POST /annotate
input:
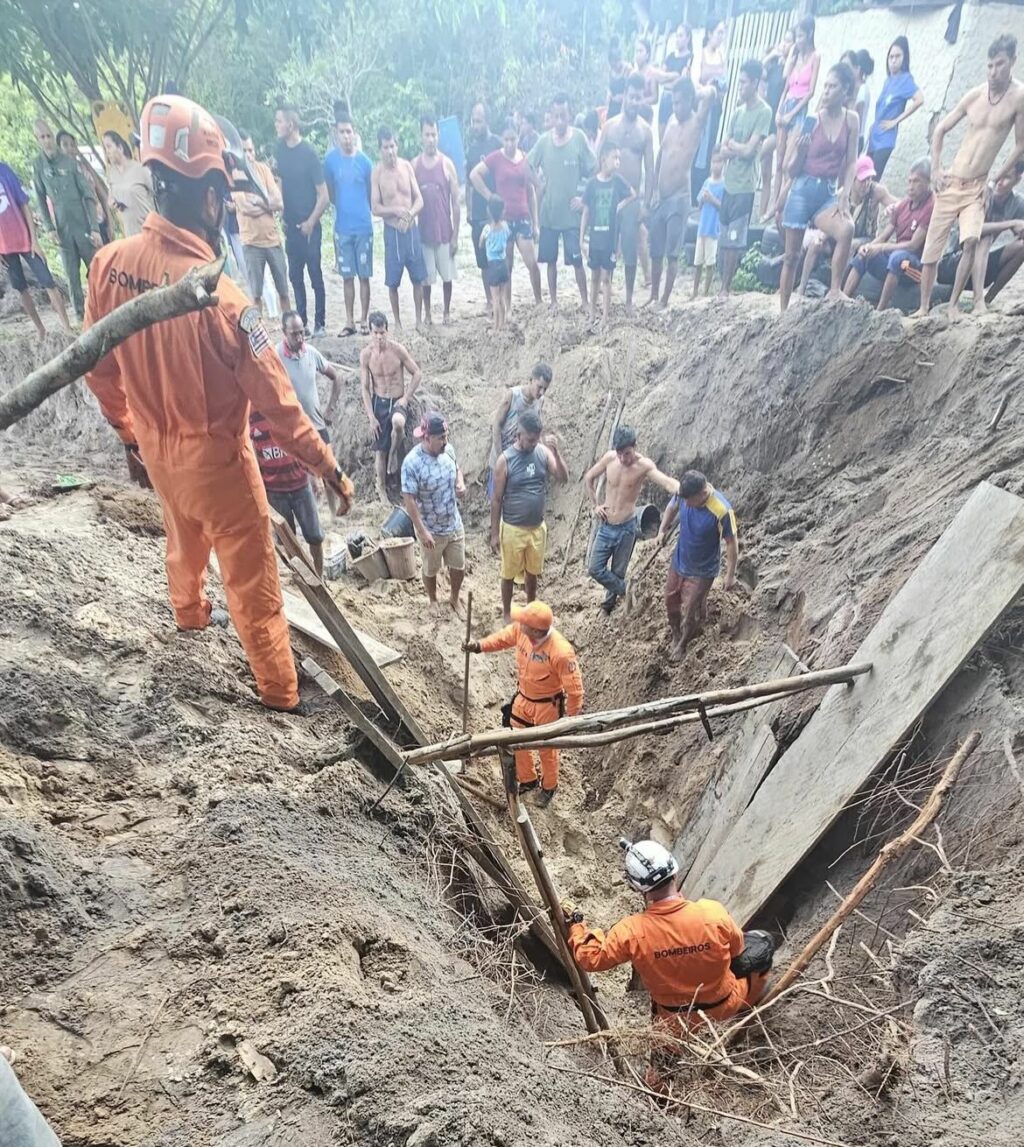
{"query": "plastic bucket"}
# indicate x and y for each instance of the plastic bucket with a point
(372, 565)
(398, 525)
(648, 519)
(400, 556)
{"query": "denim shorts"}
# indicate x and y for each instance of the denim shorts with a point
(808, 195)
(355, 256)
(520, 228)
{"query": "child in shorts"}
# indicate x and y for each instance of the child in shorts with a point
(494, 241)
(709, 227)
(605, 196)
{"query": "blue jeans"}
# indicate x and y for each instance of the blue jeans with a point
(614, 544)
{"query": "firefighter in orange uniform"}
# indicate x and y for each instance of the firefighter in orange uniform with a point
(691, 955)
(550, 686)
(178, 394)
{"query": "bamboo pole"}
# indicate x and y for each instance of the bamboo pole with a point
(465, 674)
(487, 742)
(593, 1017)
(888, 854)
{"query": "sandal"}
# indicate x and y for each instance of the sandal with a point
(347, 332)
(364, 329)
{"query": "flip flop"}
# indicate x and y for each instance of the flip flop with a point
(364, 329)
(347, 332)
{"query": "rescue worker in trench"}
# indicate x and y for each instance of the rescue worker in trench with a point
(549, 686)
(691, 956)
(178, 394)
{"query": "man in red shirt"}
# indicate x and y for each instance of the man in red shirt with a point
(897, 251)
(288, 487)
(20, 249)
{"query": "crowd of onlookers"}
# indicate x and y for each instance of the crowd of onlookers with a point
(651, 177)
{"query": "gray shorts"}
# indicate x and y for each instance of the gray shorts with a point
(257, 259)
(299, 506)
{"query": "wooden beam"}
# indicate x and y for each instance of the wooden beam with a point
(600, 722)
(482, 847)
(327, 609)
(925, 634)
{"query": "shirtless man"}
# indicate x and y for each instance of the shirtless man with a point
(633, 137)
(670, 203)
(395, 197)
(625, 470)
(990, 109)
(388, 376)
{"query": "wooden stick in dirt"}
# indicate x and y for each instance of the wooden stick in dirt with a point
(1000, 411)
(586, 466)
(784, 1132)
(193, 292)
(868, 881)
(586, 1001)
(465, 673)
(477, 743)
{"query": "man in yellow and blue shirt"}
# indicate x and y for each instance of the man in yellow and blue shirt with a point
(706, 518)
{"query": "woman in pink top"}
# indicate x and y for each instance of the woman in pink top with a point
(507, 175)
(801, 80)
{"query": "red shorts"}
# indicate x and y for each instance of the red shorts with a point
(686, 595)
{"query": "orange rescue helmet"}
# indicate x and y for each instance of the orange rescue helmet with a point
(537, 615)
(186, 139)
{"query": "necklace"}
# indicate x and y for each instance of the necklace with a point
(993, 102)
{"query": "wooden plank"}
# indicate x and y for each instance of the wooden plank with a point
(375, 735)
(927, 631)
(301, 617)
(727, 795)
(328, 611)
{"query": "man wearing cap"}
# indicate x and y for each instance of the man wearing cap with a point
(432, 484)
(518, 530)
(549, 686)
(690, 955)
(179, 393)
(705, 518)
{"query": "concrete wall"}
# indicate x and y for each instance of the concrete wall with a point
(944, 72)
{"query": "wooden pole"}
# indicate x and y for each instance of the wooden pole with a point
(600, 722)
(586, 466)
(465, 672)
(870, 878)
(583, 989)
(192, 292)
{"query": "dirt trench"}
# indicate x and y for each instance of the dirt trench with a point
(164, 834)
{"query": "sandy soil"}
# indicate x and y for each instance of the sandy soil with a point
(161, 833)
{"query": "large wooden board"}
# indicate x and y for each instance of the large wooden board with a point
(927, 631)
(301, 617)
(748, 753)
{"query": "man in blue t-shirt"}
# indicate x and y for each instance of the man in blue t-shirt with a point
(347, 173)
(705, 519)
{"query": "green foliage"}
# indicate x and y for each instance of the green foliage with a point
(17, 143)
(746, 274)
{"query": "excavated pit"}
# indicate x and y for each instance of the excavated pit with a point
(184, 873)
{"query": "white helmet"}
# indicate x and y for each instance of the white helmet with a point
(648, 864)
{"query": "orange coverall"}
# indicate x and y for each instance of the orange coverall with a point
(545, 671)
(681, 950)
(181, 391)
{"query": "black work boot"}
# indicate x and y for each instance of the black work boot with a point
(526, 786)
(546, 796)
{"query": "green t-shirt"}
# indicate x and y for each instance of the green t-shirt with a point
(741, 174)
(564, 169)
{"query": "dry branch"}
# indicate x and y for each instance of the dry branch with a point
(194, 292)
(477, 744)
(870, 878)
(671, 1101)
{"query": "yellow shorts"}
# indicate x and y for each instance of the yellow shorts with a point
(962, 202)
(522, 550)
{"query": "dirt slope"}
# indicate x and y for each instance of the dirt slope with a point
(164, 834)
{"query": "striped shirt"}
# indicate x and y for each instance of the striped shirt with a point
(280, 472)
